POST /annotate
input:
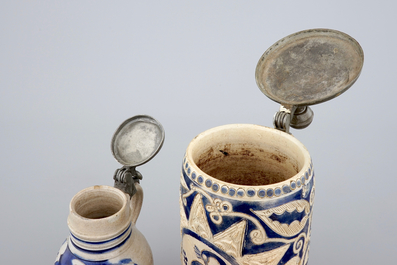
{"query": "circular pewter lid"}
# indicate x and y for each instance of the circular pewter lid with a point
(137, 140)
(309, 67)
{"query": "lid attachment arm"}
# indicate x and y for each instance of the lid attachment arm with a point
(298, 117)
(125, 179)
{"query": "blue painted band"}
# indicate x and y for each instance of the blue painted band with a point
(103, 250)
(102, 242)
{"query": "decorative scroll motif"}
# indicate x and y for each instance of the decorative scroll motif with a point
(218, 208)
(201, 212)
(207, 257)
(283, 229)
(306, 249)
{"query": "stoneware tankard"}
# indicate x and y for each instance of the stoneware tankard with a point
(246, 197)
(247, 191)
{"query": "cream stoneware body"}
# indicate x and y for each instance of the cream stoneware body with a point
(246, 197)
(102, 229)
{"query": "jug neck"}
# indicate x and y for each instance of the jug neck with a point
(99, 220)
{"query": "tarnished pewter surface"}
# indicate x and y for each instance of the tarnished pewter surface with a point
(309, 67)
(137, 140)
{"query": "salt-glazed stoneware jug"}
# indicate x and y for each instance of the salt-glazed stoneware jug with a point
(247, 191)
(102, 218)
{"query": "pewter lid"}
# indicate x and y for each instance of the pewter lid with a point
(309, 67)
(137, 140)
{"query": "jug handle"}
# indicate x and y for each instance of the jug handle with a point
(136, 203)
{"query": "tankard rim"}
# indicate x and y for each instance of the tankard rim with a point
(213, 185)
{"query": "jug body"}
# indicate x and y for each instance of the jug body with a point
(102, 229)
(246, 197)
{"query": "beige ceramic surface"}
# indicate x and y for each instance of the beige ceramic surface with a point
(106, 216)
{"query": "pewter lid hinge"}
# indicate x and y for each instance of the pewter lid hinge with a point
(125, 179)
(298, 117)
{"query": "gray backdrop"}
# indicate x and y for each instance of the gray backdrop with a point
(72, 71)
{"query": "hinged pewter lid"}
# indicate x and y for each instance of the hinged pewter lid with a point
(135, 142)
(307, 68)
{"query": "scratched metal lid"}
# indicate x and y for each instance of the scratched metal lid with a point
(137, 140)
(309, 67)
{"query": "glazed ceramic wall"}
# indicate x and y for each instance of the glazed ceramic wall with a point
(245, 224)
(102, 229)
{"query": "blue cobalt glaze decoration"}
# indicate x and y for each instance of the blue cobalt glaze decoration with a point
(261, 193)
(65, 256)
(232, 192)
(208, 183)
(262, 215)
(250, 192)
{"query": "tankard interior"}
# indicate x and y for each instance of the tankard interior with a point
(246, 154)
(97, 203)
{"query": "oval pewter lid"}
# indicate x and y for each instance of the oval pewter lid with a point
(137, 140)
(307, 68)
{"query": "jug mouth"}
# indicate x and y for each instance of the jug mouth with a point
(247, 155)
(99, 213)
(98, 202)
